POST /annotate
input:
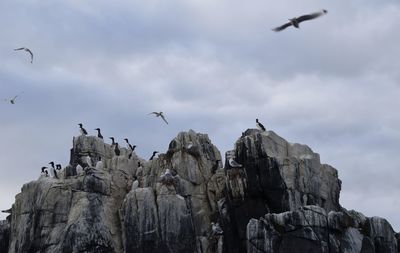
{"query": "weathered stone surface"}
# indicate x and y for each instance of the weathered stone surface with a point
(4, 236)
(311, 229)
(102, 210)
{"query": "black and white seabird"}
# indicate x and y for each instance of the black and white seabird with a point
(216, 229)
(12, 100)
(44, 172)
(132, 149)
(112, 141)
(116, 149)
(53, 172)
(58, 167)
(296, 21)
(128, 144)
(153, 155)
(88, 160)
(160, 114)
(83, 130)
(260, 126)
(79, 169)
(26, 50)
(234, 164)
(135, 184)
(98, 133)
(99, 164)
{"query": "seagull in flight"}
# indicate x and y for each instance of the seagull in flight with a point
(12, 100)
(26, 50)
(296, 21)
(159, 114)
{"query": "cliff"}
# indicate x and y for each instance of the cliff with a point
(282, 199)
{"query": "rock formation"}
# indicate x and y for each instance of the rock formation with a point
(282, 199)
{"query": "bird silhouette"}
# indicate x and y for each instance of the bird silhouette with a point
(160, 114)
(26, 50)
(12, 100)
(296, 21)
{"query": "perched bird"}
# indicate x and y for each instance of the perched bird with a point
(216, 229)
(135, 185)
(83, 130)
(260, 126)
(153, 155)
(133, 149)
(296, 21)
(98, 133)
(58, 167)
(99, 164)
(112, 141)
(167, 177)
(88, 160)
(12, 100)
(116, 149)
(26, 50)
(159, 114)
(79, 169)
(53, 172)
(234, 164)
(44, 172)
(128, 144)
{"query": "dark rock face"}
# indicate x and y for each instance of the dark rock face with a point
(282, 199)
(311, 229)
(4, 236)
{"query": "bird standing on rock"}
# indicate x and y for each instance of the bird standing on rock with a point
(112, 141)
(234, 164)
(260, 126)
(153, 155)
(82, 130)
(53, 171)
(296, 21)
(116, 149)
(98, 133)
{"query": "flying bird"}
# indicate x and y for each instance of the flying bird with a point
(26, 50)
(160, 114)
(296, 21)
(12, 100)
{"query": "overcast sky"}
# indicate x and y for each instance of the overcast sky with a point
(212, 66)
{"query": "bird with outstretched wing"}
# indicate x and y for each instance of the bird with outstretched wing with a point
(26, 50)
(296, 21)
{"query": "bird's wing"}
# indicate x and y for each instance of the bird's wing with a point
(21, 48)
(156, 113)
(282, 27)
(262, 126)
(30, 52)
(162, 116)
(310, 16)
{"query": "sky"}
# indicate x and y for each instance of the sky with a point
(211, 66)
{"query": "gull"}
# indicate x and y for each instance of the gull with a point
(159, 114)
(234, 164)
(12, 100)
(296, 21)
(26, 50)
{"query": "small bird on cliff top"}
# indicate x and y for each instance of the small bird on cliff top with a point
(58, 167)
(260, 126)
(26, 50)
(98, 133)
(44, 172)
(116, 149)
(12, 100)
(234, 164)
(82, 130)
(296, 21)
(159, 114)
(79, 169)
(153, 155)
(112, 141)
(128, 145)
(88, 160)
(99, 164)
(53, 172)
